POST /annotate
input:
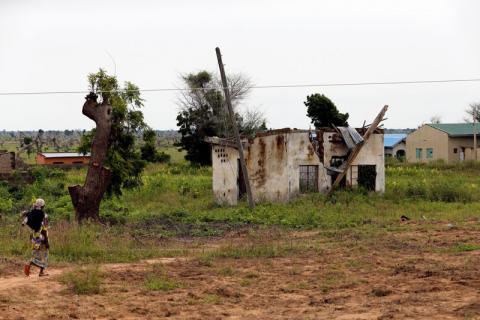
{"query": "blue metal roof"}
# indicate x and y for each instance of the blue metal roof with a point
(391, 140)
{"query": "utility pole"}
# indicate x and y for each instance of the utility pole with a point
(228, 101)
(475, 114)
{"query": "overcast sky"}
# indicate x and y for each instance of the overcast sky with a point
(53, 45)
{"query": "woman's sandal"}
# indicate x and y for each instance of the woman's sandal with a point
(26, 270)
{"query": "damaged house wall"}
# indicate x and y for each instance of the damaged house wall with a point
(278, 160)
(7, 162)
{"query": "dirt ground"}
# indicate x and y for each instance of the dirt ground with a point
(421, 272)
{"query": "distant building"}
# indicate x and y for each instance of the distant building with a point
(62, 158)
(284, 163)
(451, 142)
(395, 145)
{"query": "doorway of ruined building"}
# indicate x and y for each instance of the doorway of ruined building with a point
(367, 176)
(242, 189)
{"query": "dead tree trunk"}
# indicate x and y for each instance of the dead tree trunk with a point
(86, 199)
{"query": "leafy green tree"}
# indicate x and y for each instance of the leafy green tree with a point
(115, 160)
(27, 145)
(149, 150)
(203, 113)
(323, 112)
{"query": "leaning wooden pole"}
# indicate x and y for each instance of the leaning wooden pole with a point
(243, 164)
(475, 115)
(357, 149)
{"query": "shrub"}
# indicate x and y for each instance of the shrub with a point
(416, 190)
(449, 192)
(157, 280)
(83, 280)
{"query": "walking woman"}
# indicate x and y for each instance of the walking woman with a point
(37, 220)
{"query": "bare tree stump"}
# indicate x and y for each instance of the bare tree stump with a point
(86, 199)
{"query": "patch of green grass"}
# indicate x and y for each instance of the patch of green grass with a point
(262, 250)
(159, 284)
(157, 280)
(211, 299)
(176, 200)
(226, 271)
(465, 247)
(83, 281)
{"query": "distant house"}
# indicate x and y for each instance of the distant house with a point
(62, 158)
(451, 142)
(395, 145)
(287, 162)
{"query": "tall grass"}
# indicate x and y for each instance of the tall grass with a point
(176, 200)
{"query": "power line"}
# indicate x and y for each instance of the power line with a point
(339, 84)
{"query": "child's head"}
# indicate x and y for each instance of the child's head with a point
(39, 204)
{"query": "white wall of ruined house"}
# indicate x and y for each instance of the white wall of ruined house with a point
(372, 153)
(267, 159)
(224, 174)
(5, 162)
(301, 152)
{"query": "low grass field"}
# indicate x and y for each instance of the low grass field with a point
(166, 250)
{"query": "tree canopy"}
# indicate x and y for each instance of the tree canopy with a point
(123, 158)
(323, 112)
(203, 113)
(473, 110)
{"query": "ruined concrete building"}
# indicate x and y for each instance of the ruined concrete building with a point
(7, 161)
(284, 163)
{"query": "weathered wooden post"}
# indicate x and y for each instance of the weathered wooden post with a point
(228, 101)
(357, 149)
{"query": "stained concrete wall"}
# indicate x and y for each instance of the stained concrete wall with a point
(372, 153)
(225, 173)
(274, 160)
(7, 162)
(267, 164)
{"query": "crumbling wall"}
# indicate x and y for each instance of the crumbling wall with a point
(7, 162)
(372, 153)
(274, 159)
(266, 158)
(301, 152)
(224, 174)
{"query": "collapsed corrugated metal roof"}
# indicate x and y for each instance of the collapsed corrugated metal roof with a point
(351, 137)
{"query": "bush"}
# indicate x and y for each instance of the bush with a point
(83, 280)
(157, 280)
(416, 190)
(449, 193)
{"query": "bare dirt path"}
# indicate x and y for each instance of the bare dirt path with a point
(415, 275)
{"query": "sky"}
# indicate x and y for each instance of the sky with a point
(48, 45)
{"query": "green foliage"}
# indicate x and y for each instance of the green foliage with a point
(203, 114)
(27, 140)
(149, 150)
(6, 201)
(123, 158)
(466, 247)
(158, 280)
(323, 112)
(435, 181)
(83, 281)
